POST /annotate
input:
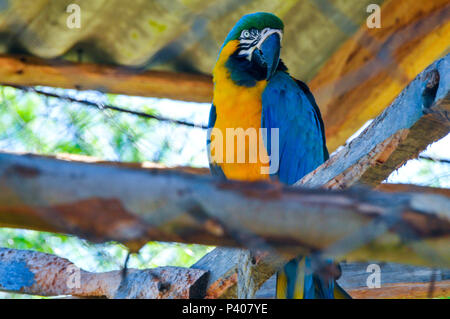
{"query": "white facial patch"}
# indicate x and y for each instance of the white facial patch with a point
(252, 39)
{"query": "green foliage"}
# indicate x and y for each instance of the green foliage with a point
(30, 122)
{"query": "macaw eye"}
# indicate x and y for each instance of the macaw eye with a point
(245, 34)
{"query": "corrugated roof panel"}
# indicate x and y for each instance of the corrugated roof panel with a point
(181, 35)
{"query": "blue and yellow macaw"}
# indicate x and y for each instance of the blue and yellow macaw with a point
(253, 90)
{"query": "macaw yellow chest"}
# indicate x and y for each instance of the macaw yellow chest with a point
(237, 144)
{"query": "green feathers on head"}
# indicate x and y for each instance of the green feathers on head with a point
(258, 20)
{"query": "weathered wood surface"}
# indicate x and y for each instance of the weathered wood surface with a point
(397, 281)
(373, 66)
(224, 263)
(419, 116)
(404, 291)
(35, 273)
(101, 202)
(28, 71)
(176, 35)
(387, 187)
(354, 275)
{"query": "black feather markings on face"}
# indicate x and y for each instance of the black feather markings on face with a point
(249, 34)
(244, 72)
(247, 73)
(252, 34)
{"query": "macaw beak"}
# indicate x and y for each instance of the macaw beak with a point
(267, 53)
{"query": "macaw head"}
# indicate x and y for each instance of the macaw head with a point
(252, 48)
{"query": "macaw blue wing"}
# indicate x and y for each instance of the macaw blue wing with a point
(288, 105)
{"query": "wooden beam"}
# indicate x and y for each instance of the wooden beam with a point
(419, 116)
(102, 203)
(141, 165)
(226, 266)
(354, 281)
(36, 273)
(384, 187)
(403, 291)
(407, 290)
(355, 275)
(404, 188)
(371, 68)
(30, 71)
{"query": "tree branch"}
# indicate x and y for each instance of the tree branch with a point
(102, 202)
(404, 188)
(35, 273)
(434, 159)
(419, 116)
(402, 291)
(396, 281)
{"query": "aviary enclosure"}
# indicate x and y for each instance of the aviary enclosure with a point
(377, 68)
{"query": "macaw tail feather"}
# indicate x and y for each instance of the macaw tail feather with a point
(298, 281)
